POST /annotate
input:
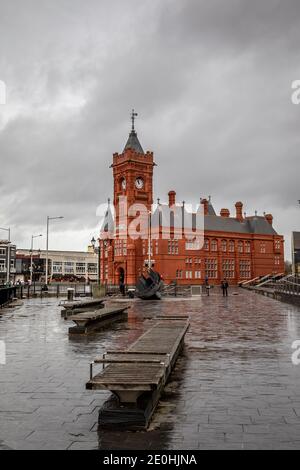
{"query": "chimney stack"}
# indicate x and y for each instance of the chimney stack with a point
(224, 213)
(172, 198)
(269, 218)
(239, 211)
(205, 206)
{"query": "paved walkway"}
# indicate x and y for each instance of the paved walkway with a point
(234, 387)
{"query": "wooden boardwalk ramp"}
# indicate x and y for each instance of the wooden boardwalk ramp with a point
(137, 376)
(87, 322)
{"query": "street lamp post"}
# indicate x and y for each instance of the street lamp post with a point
(47, 242)
(8, 255)
(31, 255)
(98, 251)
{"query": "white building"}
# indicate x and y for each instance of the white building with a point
(80, 264)
(7, 257)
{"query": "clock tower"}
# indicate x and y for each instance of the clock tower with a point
(133, 180)
(133, 172)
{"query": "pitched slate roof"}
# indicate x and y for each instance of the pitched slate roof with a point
(211, 210)
(256, 224)
(133, 143)
(216, 223)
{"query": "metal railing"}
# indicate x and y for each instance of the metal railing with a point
(289, 285)
(38, 289)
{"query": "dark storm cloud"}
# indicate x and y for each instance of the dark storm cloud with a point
(210, 80)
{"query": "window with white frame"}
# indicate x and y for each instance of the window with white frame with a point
(214, 245)
(231, 246)
(277, 244)
(69, 267)
(173, 247)
(188, 274)
(262, 247)
(197, 274)
(245, 269)
(57, 267)
(240, 247)
(80, 268)
(277, 260)
(211, 268)
(247, 247)
(224, 245)
(179, 274)
(228, 268)
(92, 268)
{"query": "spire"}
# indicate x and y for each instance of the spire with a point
(133, 141)
(133, 116)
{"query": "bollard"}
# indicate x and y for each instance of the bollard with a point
(70, 293)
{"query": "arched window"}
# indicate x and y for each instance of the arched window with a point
(206, 244)
(247, 247)
(214, 245)
(224, 245)
(262, 247)
(231, 246)
(241, 247)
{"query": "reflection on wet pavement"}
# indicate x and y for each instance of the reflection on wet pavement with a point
(233, 387)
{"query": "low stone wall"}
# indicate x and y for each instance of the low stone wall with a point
(289, 298)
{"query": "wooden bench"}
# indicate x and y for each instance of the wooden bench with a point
(77, 306)
(138, 375)
(90, 321)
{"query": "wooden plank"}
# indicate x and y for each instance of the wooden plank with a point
(86, 317)
(139, 387)
(89, 321)
(83, 303)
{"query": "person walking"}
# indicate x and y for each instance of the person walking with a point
(224, 287)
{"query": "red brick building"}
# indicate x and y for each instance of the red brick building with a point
(235, 247)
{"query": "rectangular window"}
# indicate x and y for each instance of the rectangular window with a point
(211, 268)
(172, 247)
(247, 247)
(80, 268)
(197, 274)
(2, 251)
(228, 268)
(69, 267)
(262, 247)
(57, 267)
(245, 269)
(92, 268)
(2, 266)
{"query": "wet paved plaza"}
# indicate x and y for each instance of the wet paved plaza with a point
(234, 387)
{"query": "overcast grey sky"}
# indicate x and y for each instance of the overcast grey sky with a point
(211, 81)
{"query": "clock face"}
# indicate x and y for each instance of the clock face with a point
(139, 183)
(123, 183)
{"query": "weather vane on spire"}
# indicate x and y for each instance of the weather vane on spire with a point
(133, 116)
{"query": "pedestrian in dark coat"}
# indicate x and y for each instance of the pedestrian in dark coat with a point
(224, 287)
